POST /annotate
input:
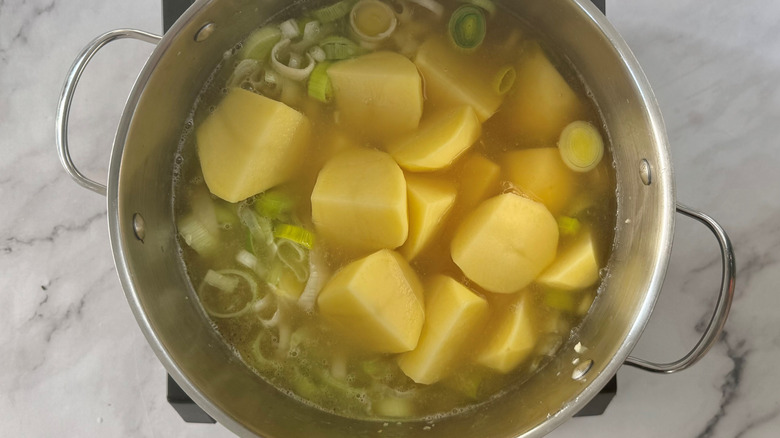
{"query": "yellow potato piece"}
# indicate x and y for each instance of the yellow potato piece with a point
(249, 144)
(541, 174)
(505, 243)
(479, 179)
(429, 199)
(377, 302)
(453, 314)
(439, 140)
(576, 267)
(454, 78)
(379, 94)
(512, 338)
(359, 201)
(541, 103)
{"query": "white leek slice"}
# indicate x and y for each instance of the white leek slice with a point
(296, 74)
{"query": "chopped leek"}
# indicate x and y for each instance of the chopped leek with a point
(243, 71)
(318, 275)
(568, 226)
(226, 281)
(247, 259)
(394, 407)
(311, 31)
(261, 241)
(504, 80)
(432, 5)
(289, 29)
(195, 234)
(467, 27)
(486, 5)
(333, 12)
(320, 86)
(274, 204)
(296, 74)
(221, 282)
(293, 256)
(226, 214)
(337, 47)
(372, 20)
(467, 382)
(318, 54)
(296, 234)
(581, 146)
(260, 42)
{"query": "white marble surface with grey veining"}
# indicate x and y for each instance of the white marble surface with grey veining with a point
(74, 362)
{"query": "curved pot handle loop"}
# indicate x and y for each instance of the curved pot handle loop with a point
(69, 89)
(715, 327)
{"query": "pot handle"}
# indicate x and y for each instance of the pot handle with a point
(69, 89)
(715, 327)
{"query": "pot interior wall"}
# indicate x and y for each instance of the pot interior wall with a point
(158, 290)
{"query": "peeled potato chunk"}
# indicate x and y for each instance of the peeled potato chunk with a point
(453, 313)
(542, 103)
(429, 199)
(380, 94)
(541, 174)
(439, 140)
(454, 78)
(576, 267)
(512, 337)
(479, 179)
(376, 301)
(249, 144)
(505, 243)
(359, 200)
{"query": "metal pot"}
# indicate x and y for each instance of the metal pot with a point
(143, 236)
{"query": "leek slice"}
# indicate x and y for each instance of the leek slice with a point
(432, 5)
(337, 48)
(260, 42)
(332, 12)
(320, 86)
(195, 234)
(295, 74)
(504, 80)
(568, 226)
(274, 204)
(289, 29)
(581, 146)
(372, 21)
(295, 234)
(221, 281)
(467, 27)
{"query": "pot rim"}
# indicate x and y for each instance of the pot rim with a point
(664, 173)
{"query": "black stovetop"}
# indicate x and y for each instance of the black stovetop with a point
(192, 413)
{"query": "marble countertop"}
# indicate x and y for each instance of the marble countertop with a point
(74, 361)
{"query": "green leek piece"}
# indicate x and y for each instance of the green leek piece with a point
(333, 12)
(504, 80)
(485, 5)
(568, 226)
(197, 236)
(295, 234)
(467, 27)
(320, 87)
(260, 42)
(372, 20)
(581, 146)
(337, 47)
(394, 407)
(467, 383)
(274, 204)
(379, 369)
(563, 300)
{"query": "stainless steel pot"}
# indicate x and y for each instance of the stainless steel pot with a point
(144, 244)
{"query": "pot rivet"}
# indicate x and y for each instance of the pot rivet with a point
(582, 369)
(204, 32)
(139, 227)
(644, 172)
